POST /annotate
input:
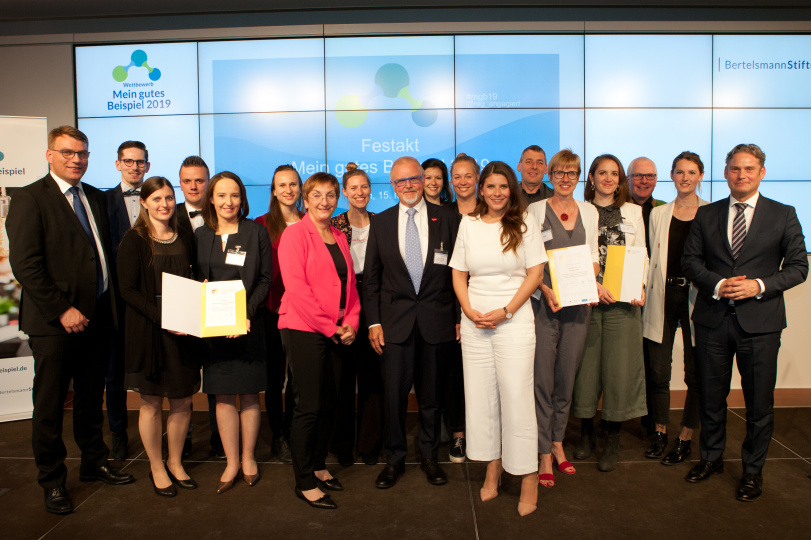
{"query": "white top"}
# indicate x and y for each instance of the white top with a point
(421, 219)
(65, 188)
(360, 235)
(132, 203)
(479, 251)
(196, 221)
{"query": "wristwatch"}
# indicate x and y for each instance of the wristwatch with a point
(507, 314)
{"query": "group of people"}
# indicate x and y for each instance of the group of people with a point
(447, 291)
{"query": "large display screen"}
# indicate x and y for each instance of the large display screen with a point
(249, 106)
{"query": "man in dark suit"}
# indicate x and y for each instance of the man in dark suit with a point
(123, 207)
(60, 252)
(410, 309)
(532, 167)
(742, 253)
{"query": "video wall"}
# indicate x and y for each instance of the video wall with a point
(318, 103)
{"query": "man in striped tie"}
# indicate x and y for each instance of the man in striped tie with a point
(741, 254)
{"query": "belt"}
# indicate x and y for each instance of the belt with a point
(731, 309)
(679, 281)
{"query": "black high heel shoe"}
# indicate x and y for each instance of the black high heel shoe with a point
(183, 484)
(324, 503)
(169, 491)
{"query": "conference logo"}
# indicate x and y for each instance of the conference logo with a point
(393, 80)
(1, 156)
(137, 59)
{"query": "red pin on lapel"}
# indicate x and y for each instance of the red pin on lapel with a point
(433, 219)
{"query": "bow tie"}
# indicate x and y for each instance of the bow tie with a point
(132, 193)
(195, 213)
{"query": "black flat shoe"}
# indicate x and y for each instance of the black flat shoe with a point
(680, 451)
(704, 469)
(324, 503)
(369, 459)
(658, 443)
(433, 472)
(169, 491)
(388, 476)
(57, 501)
(105, 473)
(333, 484)
(750, 487)
(182, 484)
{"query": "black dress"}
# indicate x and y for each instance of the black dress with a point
(158, 362)
(233, 365)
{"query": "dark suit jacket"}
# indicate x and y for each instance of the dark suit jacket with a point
(255, 273)
(774, 251)
(183, 221)
(118, 216)
(52, 257)
(388, 293)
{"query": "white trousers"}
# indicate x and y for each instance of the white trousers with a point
(499, 389)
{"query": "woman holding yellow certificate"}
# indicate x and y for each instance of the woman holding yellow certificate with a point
(560, 331)
(232, 247)
(612, 364)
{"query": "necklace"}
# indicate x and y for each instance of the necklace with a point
(169, 241)
(563, 216)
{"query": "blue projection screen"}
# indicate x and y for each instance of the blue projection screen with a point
(318, 103)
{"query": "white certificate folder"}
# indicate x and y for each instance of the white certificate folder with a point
(217, 308)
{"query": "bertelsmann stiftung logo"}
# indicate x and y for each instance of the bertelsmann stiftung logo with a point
(137, 59)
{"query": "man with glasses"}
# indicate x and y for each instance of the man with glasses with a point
(642, 177)
(411, 311)
(60, 253)
(532, 167)
(123, 207)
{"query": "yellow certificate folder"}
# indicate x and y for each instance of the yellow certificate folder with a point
(572, 273)
(216, 308)
(625, 272)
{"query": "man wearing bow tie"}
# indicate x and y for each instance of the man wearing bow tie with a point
(123, 207)
(193, 183)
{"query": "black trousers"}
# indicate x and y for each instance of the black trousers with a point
(361, 364)
(677, 312)
(413, 362)
(280, 415)
(315, 361)
(116, 390)
(756, 356)
(453, 387)
(82, 357)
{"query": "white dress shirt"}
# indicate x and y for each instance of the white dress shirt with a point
(421, 219)
(748, 213)
(196, 221)
(64, 187)
(132, 203)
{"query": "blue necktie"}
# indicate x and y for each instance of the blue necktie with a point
(81, 213)
(413, 251)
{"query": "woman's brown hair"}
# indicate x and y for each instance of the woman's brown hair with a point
(274, 219)
(622, 194)
(209, 214)
(512, 222)
(143, 225)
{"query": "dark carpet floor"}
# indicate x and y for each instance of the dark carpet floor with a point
(641, 499)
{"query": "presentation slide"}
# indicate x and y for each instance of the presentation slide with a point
(136, 80)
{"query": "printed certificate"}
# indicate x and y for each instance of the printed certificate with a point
(572, 272)
(625, 272)
(217, 308)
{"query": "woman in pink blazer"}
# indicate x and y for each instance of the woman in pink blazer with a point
(318, 318)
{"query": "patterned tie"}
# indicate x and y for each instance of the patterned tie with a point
(81, 213)
(132, 193)
(738, 229)
(413, 251)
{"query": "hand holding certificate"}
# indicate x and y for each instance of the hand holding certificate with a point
(625, 272)
(572, 273)
(217, 308)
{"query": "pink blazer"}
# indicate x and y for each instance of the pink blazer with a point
(312, 288)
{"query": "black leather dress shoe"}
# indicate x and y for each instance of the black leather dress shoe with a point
(333, 484)
(658, 442)
(182, 484)
(57, 501)
(750, 488)
(433, 472)
(105, 473)
(704, 469)
(680, 451)
(324, 503)
(388, 476)
(168, 491)
(370, 459)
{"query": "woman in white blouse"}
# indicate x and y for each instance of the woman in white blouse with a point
(497, 263)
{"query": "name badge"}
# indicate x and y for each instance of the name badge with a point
(441, 255)
(546, 235)
(235, 257)
(627, 228)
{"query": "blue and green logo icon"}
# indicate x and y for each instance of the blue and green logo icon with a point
(393, 80)
(1, 156)
(137, 59)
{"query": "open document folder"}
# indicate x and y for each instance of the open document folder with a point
(199, 309)
(572, 273)
(625, 272)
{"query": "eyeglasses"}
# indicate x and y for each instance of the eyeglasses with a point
(130, 162)
(639, 176)
(560, 174)
(68, 154)
(317, 197)
(401, 182)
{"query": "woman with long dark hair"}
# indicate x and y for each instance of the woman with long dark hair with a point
(497, 264)
(158, 362)
(435, 182)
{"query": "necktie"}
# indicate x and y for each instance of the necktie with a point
(413, 251)
(81, 213)
(738, 229)
(132, 193)
(194, 213)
